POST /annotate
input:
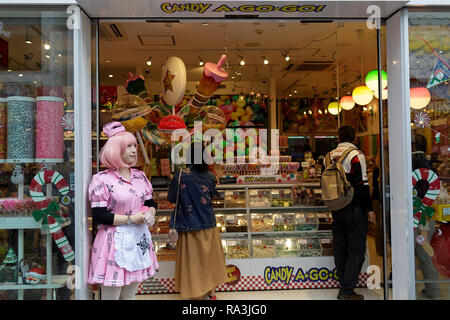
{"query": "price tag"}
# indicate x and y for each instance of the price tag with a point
(325, 240)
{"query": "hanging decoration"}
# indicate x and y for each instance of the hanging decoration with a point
(67, 121)
(422, 207)
(334, 108)
(372, 80)
(173, 81)
(441, 70)
(419, 97)
(422, 119)
(347, 102)
(362, 95)
(384, 94)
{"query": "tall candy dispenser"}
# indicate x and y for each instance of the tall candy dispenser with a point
(20, 123)
(49, 131)
(3, 129)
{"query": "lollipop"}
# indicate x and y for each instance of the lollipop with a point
(169, 124)
(215, 118)
(422, 119)
(213, 75)
(173, 81)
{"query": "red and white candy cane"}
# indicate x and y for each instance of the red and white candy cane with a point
(46, 176)
(60, 239)
(433, 181)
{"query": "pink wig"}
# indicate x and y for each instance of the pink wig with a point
(111, 153)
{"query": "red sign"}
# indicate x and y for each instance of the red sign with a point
(234, 275)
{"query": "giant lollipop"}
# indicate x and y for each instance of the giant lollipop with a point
(213, 75)
(173, 80)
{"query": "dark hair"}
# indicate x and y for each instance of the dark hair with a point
(199, 148)
(346, 134)
(418, 143)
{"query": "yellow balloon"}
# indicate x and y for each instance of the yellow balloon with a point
(241, 102)
(234, 116)
(240, 112)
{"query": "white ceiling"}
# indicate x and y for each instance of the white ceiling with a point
(250, 39)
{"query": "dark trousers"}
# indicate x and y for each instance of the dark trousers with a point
(349, 244)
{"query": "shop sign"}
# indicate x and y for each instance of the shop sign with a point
(201, 8)
(234, 275)
(286, 275)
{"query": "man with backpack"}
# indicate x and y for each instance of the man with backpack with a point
(345, 190)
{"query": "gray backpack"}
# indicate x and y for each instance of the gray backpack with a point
(337, 191)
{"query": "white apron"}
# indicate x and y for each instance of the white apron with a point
(132, 243)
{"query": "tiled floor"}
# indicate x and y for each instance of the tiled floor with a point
(304, 294)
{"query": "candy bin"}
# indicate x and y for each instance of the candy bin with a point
(237, 249)
(282, 198)
(235, 199)
(236, 223)
(220, 222)
(283, 222)
(325, 220)
(259, 198)
(309, 247)
(326, 243)
(286, 247)
(162, 224)
(306, 222)
(262, 223)
(20, 129)
(263, 248)
(165, 251)
(218, 200)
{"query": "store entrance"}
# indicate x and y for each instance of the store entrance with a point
(305, 79)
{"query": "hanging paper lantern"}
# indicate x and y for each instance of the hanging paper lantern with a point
(347, 102)
(419, 97)
(384, 94)
(334, 108)
(362, 95)
(372, 80)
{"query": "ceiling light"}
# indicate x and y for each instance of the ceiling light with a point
(201, 62)
(149, 61)
(285, 55)
(295, 91)
(9, 70)
(266, 61)
(28, 37)
(47, 56)
(242, 62)
(205, 23)
(110, 75)
(20, 74)
(35, 82)
(46, 46)
(107, 60)
(59, 54)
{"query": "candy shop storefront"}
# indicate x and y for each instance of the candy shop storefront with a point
(63, 65)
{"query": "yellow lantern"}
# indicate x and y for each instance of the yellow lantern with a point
(334, 108)
(347, 103)
(419, 97)
(362, 95)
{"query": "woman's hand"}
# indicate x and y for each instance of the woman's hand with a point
(138, 218)
(149, 216)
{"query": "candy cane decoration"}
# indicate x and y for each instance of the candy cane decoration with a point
(46, 176)
(433, 181)
(60, 239)
(422, 119)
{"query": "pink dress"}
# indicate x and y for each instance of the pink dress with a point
(109, 189)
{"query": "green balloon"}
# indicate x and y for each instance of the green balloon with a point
(235, 98)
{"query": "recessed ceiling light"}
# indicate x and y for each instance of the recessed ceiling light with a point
(20, 74)
(9, 70)
(149, 61)
(107, 60)
(46, 46)
(295, 91)
(110, 75)
(205, 23)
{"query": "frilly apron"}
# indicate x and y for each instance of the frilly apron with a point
(132, 243)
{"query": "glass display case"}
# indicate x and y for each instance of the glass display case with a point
(220, 222)
(219, 200)
(235, 199)
(306, 222)
(237, 249)
(282, 198)
(236, 223)
(326, 243)
(263, 248)
(325, 220)
(262, 222)
(309, 247)
(164, 251)
(286, 247)
(259, 198)
(283, 222)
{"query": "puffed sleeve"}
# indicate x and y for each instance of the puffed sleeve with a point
(98, 193)
(148, 189)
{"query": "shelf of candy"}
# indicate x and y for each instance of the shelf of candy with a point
(282, 198)
(325, 220)
(237, 249)
(162, 201)
(262, 223)
(259, 198)
(304, 196)
(284, 222)
(306, 222)
(309, 247)
(13, 207)
(286, 247)
(236, 223)
(161, 225)
(165, 251)
(327, 246)
(218, 201)
(263, 248)
(235, 199)
(220, 222)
